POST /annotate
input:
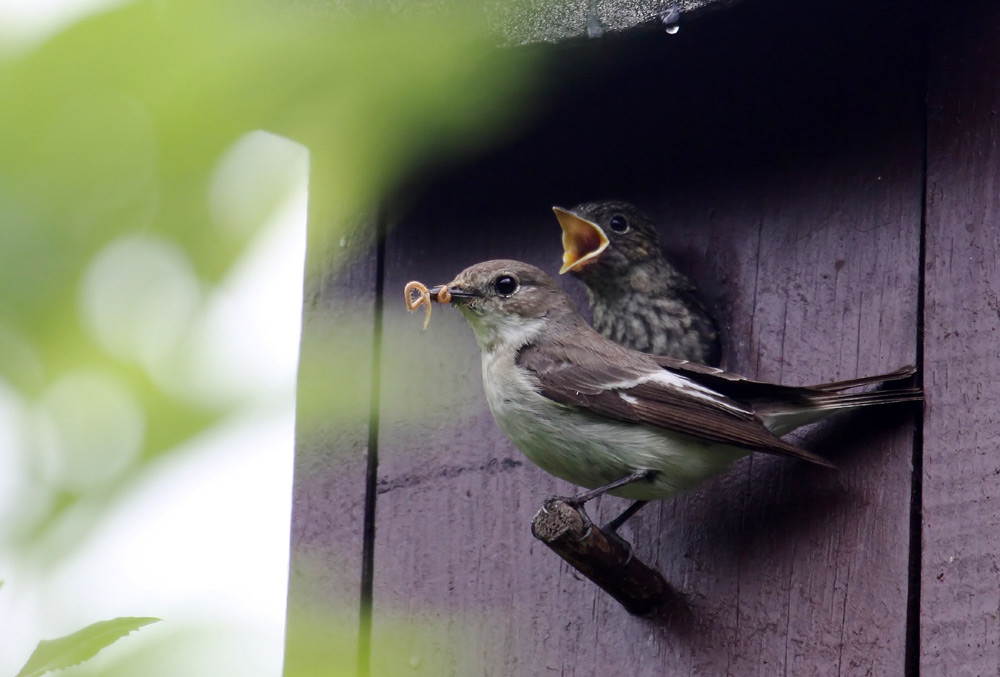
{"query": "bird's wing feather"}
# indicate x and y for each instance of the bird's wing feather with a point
(627, 387)
(749, 390)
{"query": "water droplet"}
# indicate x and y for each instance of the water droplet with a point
(414, 662)
(670, 19)
(343, 241)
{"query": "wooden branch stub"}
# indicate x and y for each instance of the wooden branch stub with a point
(600, 556)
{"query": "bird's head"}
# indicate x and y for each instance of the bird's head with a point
(605, 238)
(506, 302)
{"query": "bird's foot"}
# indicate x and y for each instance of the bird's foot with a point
(575, 503)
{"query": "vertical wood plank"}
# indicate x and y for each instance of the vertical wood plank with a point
(331, 451)
(454, 554)
(795, 566)
(790, 186)
(787, 566)
(960, 591)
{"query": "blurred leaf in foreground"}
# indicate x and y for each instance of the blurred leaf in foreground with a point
(131, 178)
(82, 645)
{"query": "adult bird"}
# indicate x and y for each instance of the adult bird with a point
(638, 297)
(612, 419)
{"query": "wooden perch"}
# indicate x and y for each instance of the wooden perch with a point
(601, 556)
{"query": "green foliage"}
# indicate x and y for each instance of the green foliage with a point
(82, 645)
(119, 126)
(133, 175)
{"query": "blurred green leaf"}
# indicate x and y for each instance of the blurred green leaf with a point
(82, 645)
(164, 129)
(138, 121)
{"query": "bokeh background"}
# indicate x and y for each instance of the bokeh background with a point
(159, 162)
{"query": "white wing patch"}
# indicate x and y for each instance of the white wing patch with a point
(674, 381)
(628, 398)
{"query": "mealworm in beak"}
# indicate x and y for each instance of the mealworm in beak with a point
(423, 298)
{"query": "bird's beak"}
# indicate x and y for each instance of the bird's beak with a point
(449, 293)
(583, 240)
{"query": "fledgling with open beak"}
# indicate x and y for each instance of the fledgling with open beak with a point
(638, 297)
(608, 418)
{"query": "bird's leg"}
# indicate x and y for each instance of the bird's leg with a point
(611, 528)
(579, 500)
(625, 516)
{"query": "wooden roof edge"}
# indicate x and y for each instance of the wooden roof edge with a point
(534, 21)
(523, 22)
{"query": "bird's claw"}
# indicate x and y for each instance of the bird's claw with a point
(575, 503)
(612, 535)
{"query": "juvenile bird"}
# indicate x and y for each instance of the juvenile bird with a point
(638, 297)
(608, 418)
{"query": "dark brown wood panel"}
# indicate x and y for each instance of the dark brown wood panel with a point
(794, 566)
(960, 591)
(454, 557)
(786, 565)
(787, 178)
(331, 452)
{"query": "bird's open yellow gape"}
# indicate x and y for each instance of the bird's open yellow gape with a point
(639, 296)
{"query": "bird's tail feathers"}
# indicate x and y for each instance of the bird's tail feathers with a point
(865, 399)
(761, 392)
(782, 418)
(897, 375)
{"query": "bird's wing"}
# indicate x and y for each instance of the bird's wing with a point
(626, 386)
(761, 392)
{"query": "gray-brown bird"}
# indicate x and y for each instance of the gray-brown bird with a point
(638, 297)
(608, 418)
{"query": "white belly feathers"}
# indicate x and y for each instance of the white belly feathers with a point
(590, 451)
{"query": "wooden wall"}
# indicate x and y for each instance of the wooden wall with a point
(829, 174)
(960, 537)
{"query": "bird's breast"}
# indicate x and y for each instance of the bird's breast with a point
(659, 325)
(588, 450)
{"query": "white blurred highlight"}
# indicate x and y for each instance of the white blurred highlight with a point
(240, 343)
(24, 23)
(88, 427)
(201, 540)
(139, 297)
(252, 178)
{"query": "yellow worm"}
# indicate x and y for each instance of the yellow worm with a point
(423, 298)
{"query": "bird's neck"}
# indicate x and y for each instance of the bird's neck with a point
(655, 312)
(503, 335)
(650, 279)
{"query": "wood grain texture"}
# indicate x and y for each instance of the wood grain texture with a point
(790, 188)
(796, 567)
(331, 453)
(960, 590)
(454, 556)
(786, 176)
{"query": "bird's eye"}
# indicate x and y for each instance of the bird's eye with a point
(619, 223)
(505, 285)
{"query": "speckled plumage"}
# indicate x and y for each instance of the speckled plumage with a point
(638, 297)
